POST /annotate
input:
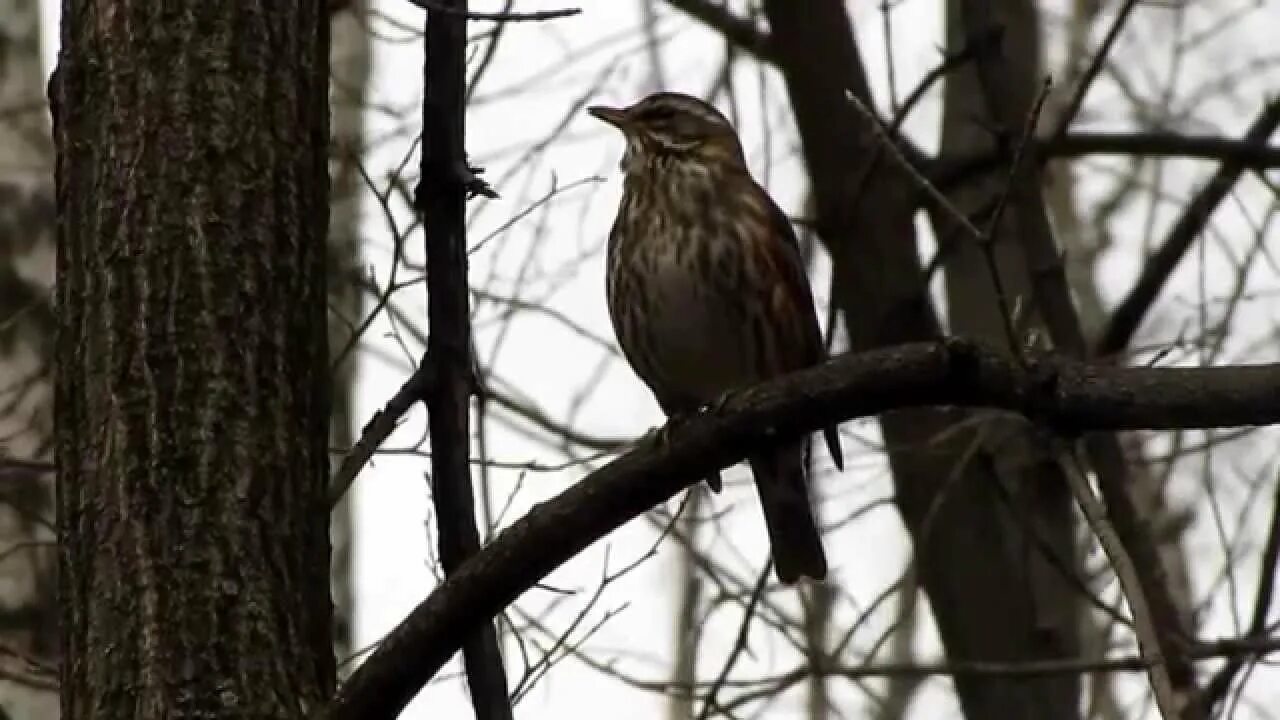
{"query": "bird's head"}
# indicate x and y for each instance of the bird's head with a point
(673, 127)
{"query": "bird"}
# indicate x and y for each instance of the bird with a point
(707, 294)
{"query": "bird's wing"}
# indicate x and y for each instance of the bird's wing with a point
(788, 266)
(794, 298)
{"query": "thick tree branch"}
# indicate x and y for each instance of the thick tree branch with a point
(441, 199)
(1062, 394)
(948, 172)
(1248, 152)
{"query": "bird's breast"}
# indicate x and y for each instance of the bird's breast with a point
(689, 314)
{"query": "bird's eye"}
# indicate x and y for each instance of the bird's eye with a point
(660, 115)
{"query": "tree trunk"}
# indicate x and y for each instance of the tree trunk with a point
(351, 64)
(192, 391)
(1038, 510)
(948, 489)
(28, 617)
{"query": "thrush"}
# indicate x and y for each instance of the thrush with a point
(707, 293)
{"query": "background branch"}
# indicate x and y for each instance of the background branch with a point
(1064, 394)
(737, 30)
(1051, 294)
(1144, 626)
(1127, 318)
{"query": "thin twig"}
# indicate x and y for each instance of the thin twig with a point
(920, 181)
(950, 61)
(1017, 165)
(1144, 626)
(1217, 687)
(739, 644)
(379, 428)
(434, 6)
(1091, 73)
(1017, 174)
(1128, 316)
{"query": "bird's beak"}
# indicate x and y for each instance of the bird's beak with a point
(616, 117)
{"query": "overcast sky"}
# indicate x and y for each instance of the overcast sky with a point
(554, 257)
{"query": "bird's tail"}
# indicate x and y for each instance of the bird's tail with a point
(788, 516)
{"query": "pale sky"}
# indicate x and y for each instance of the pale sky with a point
(540, 71)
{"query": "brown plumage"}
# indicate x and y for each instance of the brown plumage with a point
(707, 292)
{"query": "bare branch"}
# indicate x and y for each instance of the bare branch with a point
(1248, 152)
(739, 31)
(949, 171)
(739, 645)
(1095, 66)
(1243, 648)
(1216, 689)
(380, 427)
(1060, 393)
(1148, 635)
(1156, 271)
(442, 8)
(446, 183)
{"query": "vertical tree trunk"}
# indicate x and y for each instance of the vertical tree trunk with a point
(1028, 490)
(949, 495)
(900, 690)
(441, 198)
(27, 612)
(192, 391)
(351, 64)
(818, 603)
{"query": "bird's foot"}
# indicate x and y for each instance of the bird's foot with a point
(716, 406)
(675, 421)
(661, 436)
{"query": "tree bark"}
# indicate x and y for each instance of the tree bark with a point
(441, 199)
(192, 391)
(949, 495)
(1028, 482)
